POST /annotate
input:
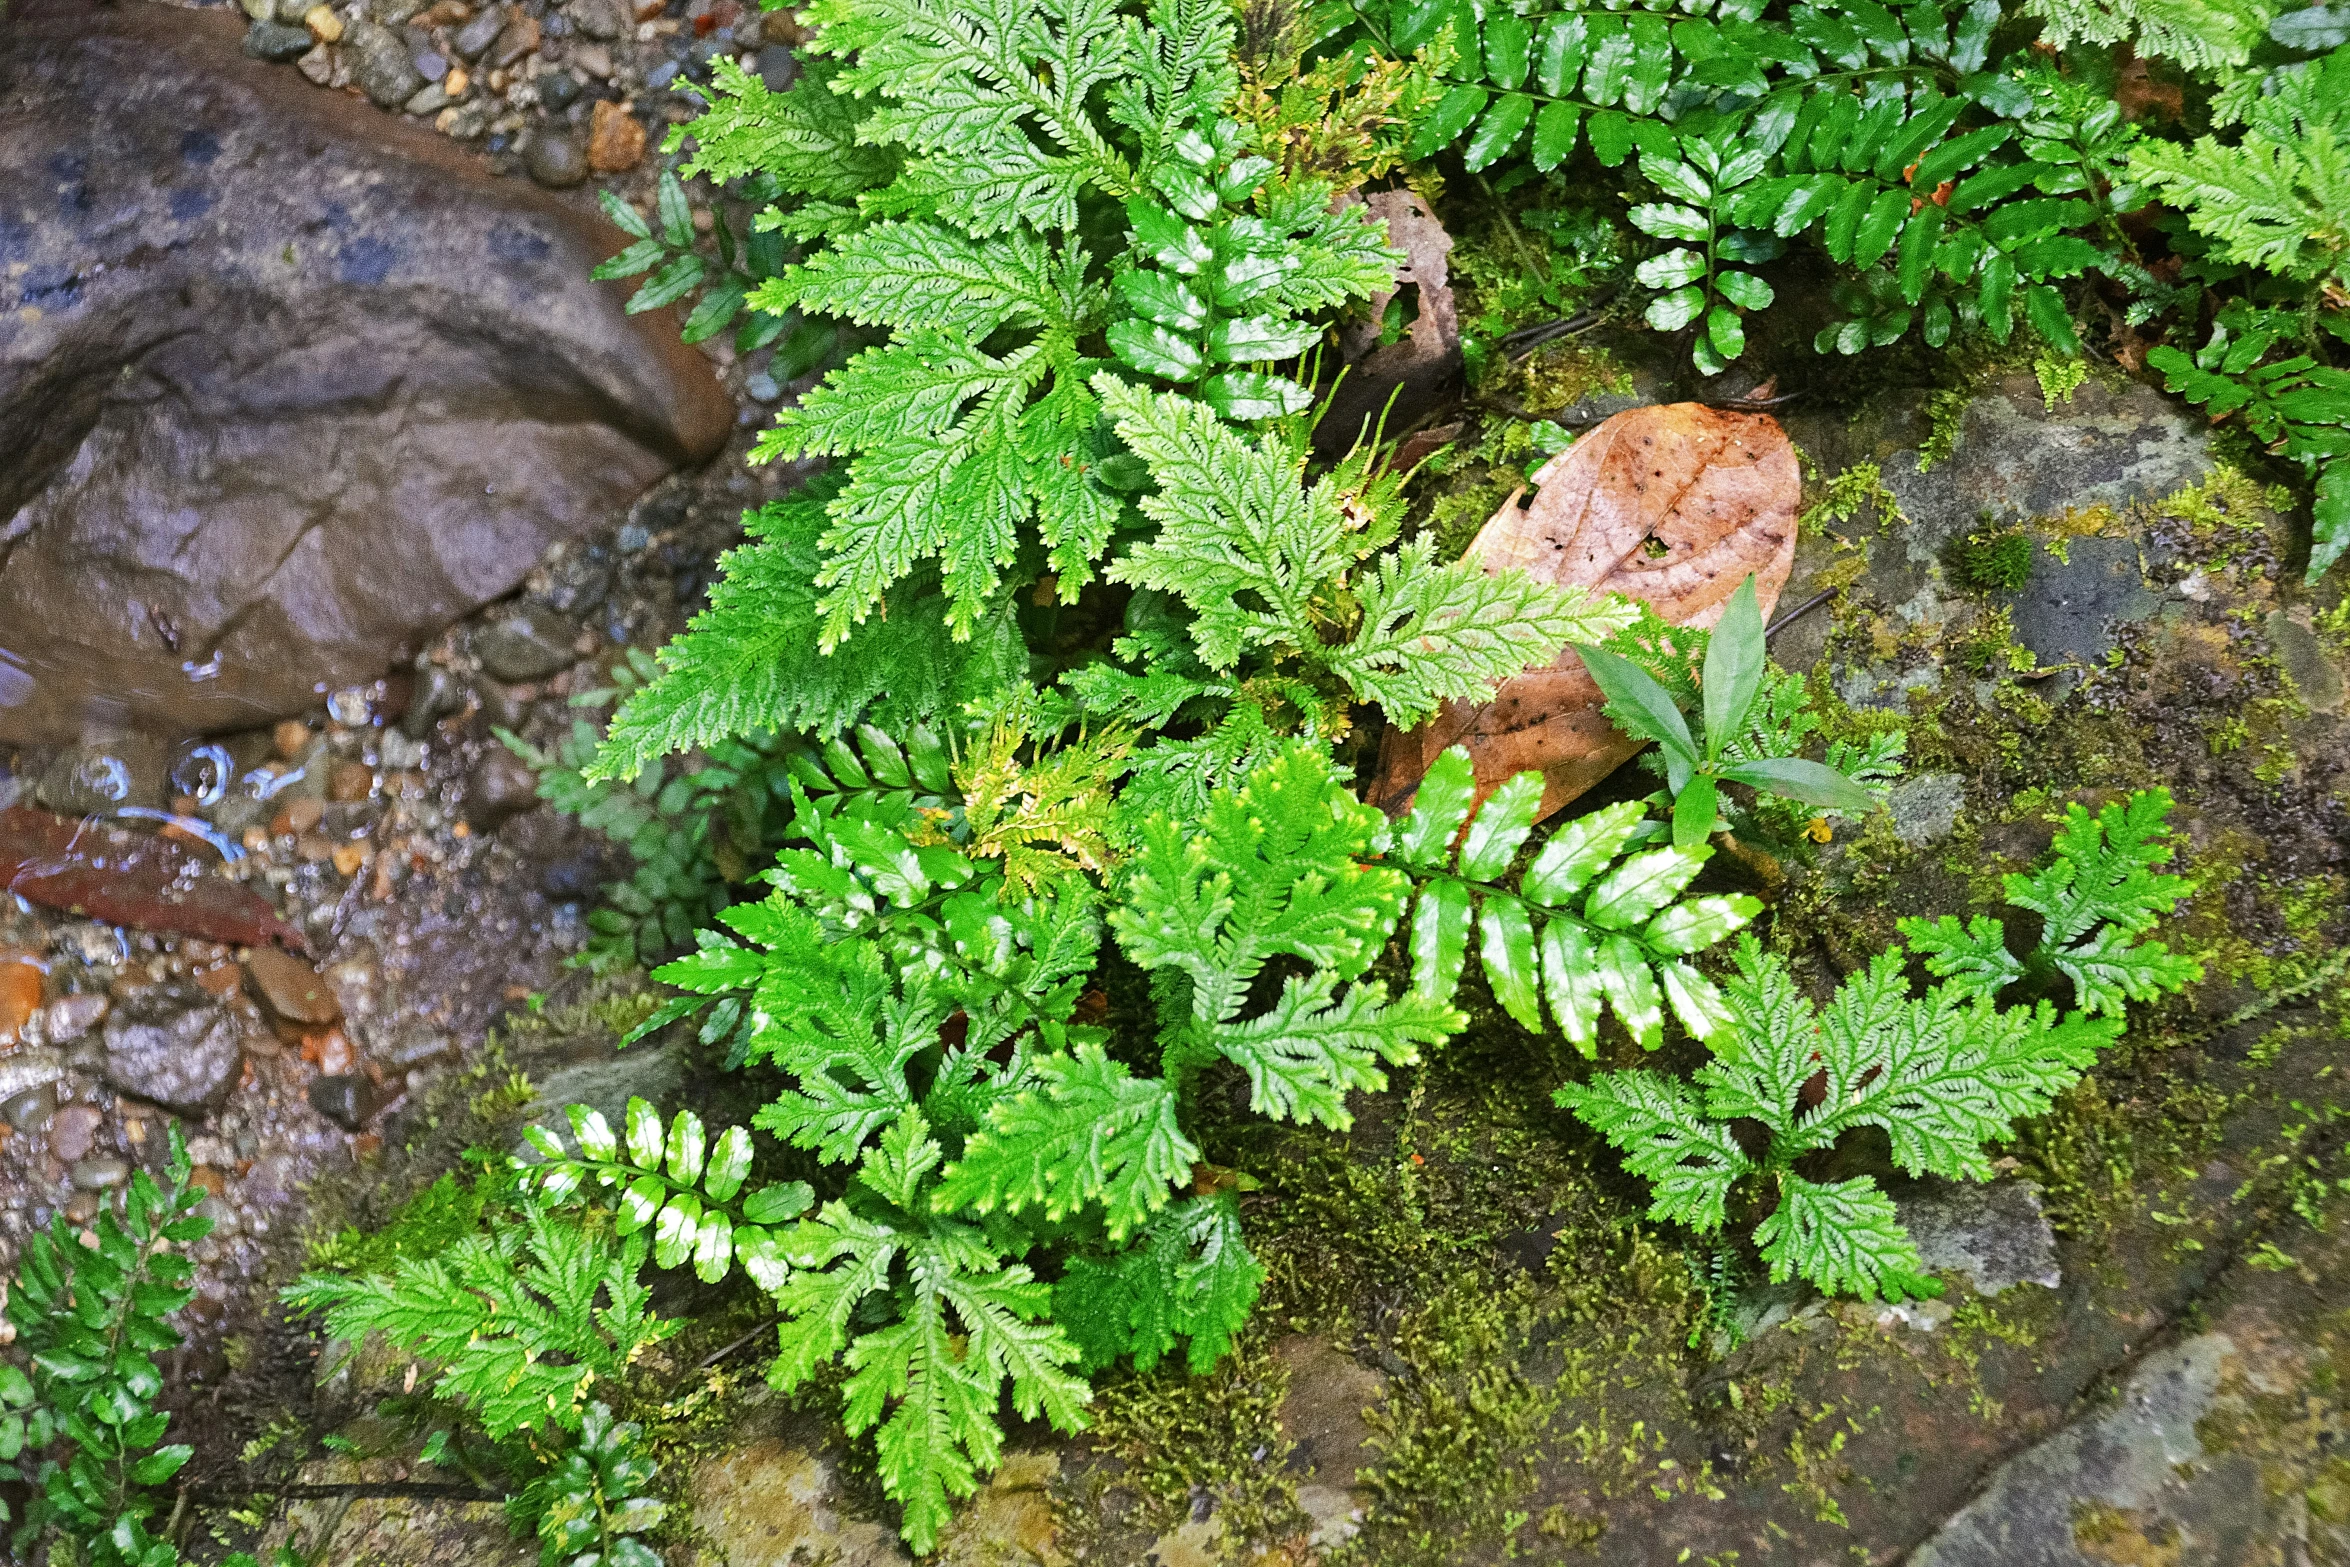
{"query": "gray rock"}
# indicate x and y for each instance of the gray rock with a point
(2016, 458)
(380, 64)
(286, 386)
(500, 788)
(102, 776)
(2315, 679)
(558, 90)
(2068, 610)
(2125, 1458)
(554, 159)
(479, 34)
(346, 1099)
(778, 67)
(317, 66)
(439, 692)
(1995, 1233)
(276, 41)
(393, 12)
(174, 1048)
(528, 642)
(1925, 808)
(597, 18)
(30, 1110)
(432, 98)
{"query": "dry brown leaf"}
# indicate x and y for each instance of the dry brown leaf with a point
(1673, 505)
(1408, 378)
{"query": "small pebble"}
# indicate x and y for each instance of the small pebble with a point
(432, 98)
(480, 33)
(326, 27)
(81, 1207)
(276, 42)
(290, 738)
(660, 76)
(431, 65)
(558, 90)
(594, 60)
(616, 139)
(20, 994)
(527, 641)
(28, 1110)
(554, 159)
(100, 1175)
(519, 37)
(73, 1132)
(762, 386)
(291, 988)
(347, 1099)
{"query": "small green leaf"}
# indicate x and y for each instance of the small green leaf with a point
(1498, 131)
(675, 1230)
(1745, 289)
(730, 1161)
(590, 1131)
(677, 218)
(1570, 974)
(776, 1204)
(1811, 782)
(1248, 395)
(1630, 989)
(644, 1135)
(1438, 810)
(1501, 825)
(1579, 851)
(638, 1203)
(624, 216)
(686, 1147)
(1506, 943)
(1440, 938)
(1554, 132)
(672, 283)
(1694, 812)
(1453, 114)
(1699, 922)
(1156, 350)
(713, 1247)
(1257, 339)
(1735, 658)
(1641, 885)
(1643, 708)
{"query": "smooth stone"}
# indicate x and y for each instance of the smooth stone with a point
(168, 567)
(291, 988)
(277, 42)
(478, 34)
(440, 691)
(73, 1132)
(527, 642)
(100, 1175)
(70, 1017)
(519, 37)
(28, 1110)
(600, 19)
(345, 1098)
(553, 159)
(558, 90)
(778, 67)
(431, 100)
(2315, 679)
(172, 1048)
(500, 788)
(102, 776)
(380, 65)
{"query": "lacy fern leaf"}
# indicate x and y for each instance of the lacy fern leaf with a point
(1276, 871)
(1187, 1279)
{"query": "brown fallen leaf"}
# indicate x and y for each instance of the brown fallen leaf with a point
(1425, 361)
(1673, 505)
(126, 878)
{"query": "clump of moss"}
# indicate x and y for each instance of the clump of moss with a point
(1994, 560)
(1178, 1437)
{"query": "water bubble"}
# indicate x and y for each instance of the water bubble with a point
(202, 773)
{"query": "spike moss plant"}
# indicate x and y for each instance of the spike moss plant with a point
(1053, 680)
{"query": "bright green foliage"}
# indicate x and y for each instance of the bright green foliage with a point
(589, 1507)
(92, 1321)
(964, 1324)
(2199, 34)
(2297, 404)
(1293, 603)
(669, 254)
(2277, 198)
(1945, 183)
(1276, 870)
(2100, 890)
(1941, 1074)
(750, 661)
(1782, 722)
(523, 1320)
(679, 1184)
(1189, 1277)
(1736, 670)
(1591, 924)
(976, 421)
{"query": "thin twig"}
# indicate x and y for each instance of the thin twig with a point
(717, 1355)
(1756, 405)
(421, 1489)
(1798, 612)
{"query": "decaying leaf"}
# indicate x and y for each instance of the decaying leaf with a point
(1674, 505)
(126, 878)
(1425, 361)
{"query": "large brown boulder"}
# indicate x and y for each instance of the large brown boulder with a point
(286, 383)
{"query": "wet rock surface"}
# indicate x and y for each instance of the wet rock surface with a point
(173, 1048)
(262, 438)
